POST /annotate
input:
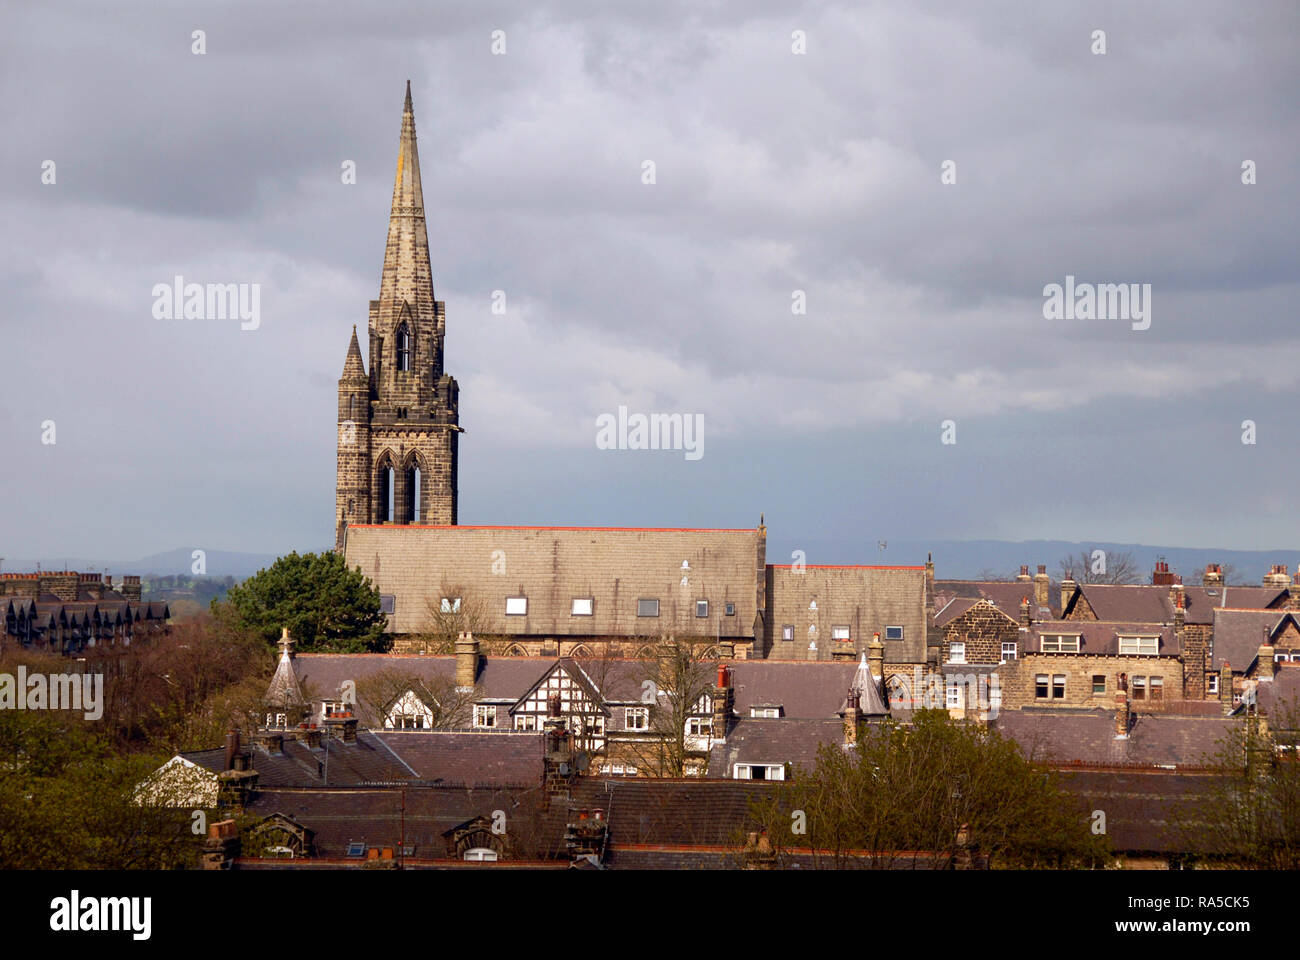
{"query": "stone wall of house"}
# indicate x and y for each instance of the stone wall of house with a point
(983, 628)
(1018, 679)
(1082, 609)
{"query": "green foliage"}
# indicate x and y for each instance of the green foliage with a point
(1249, 815)
(326, 606)
(932, 792)
(67, 801)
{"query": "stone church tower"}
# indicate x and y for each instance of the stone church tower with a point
(398, 424)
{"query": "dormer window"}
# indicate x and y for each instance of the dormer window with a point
(403, 348)
(1059, 643)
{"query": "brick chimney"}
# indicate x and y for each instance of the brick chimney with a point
(1293, 601)
(1122, 716)
(1225, 687)
(466, 660)
(557, 763)
(221, 846)
(131, 587)
(1160, 576)
(1277, 576)
(843, 650)
(1023, 576)
(237, 783)
(1213, 576)
(62, 585)
(1025, 618)
(852, 718)
(1176, 592)
(342, 726)
(232, 749)
(1068, 586)
(92, 585)
(876, 657)
(1266, 667)
(1042, 587)
(1180, 612)
(758, 852)
(724, 702)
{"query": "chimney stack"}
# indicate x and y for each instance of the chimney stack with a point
(852, 718)
(1042, 587)
(876, 658)
(1225, 687)
(1122, 717)
(1160, 576)
(232, 748)
(1213, 575)
(558, 761)
(1068, 586)
(131, 587)
(1293, 602)
(1025, 618)
(466, 660)
(1277, 576)
(724, 702)
(1266, 667)
(343, 726)
(1023, 576)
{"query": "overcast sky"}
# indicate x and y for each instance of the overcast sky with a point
(774, 172)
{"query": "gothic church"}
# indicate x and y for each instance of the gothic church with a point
(398, 424)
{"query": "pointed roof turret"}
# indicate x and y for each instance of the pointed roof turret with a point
(872, 703)
(353, 366)
(284, 691)
(407, 276)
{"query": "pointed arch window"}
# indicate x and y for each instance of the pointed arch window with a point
(403, 348)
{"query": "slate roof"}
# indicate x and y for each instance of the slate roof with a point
(1238, 635)
(1065, 737)
(773, 741)
(499, 758)
(1101, 638)
(1144, 809)
(1282, 693)
(553, 565)
(804, 688)
(1152, 603)
(679, 812)
(422, 815)
(865, 599)
(367, 760)
(1006, 596)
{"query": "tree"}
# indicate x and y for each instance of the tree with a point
(932, 792)
(1100, 566)
(676, 686)
(453, 611)
(326, 606)
(67, 801)
(1250, 815)
(452, 707)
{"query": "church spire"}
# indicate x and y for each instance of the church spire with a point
(353, 366)
(407, 277)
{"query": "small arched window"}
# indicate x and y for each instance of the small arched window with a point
(403, 348)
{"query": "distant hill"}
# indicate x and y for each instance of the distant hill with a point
(967, 559)
(953, 559)
(220, 563)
